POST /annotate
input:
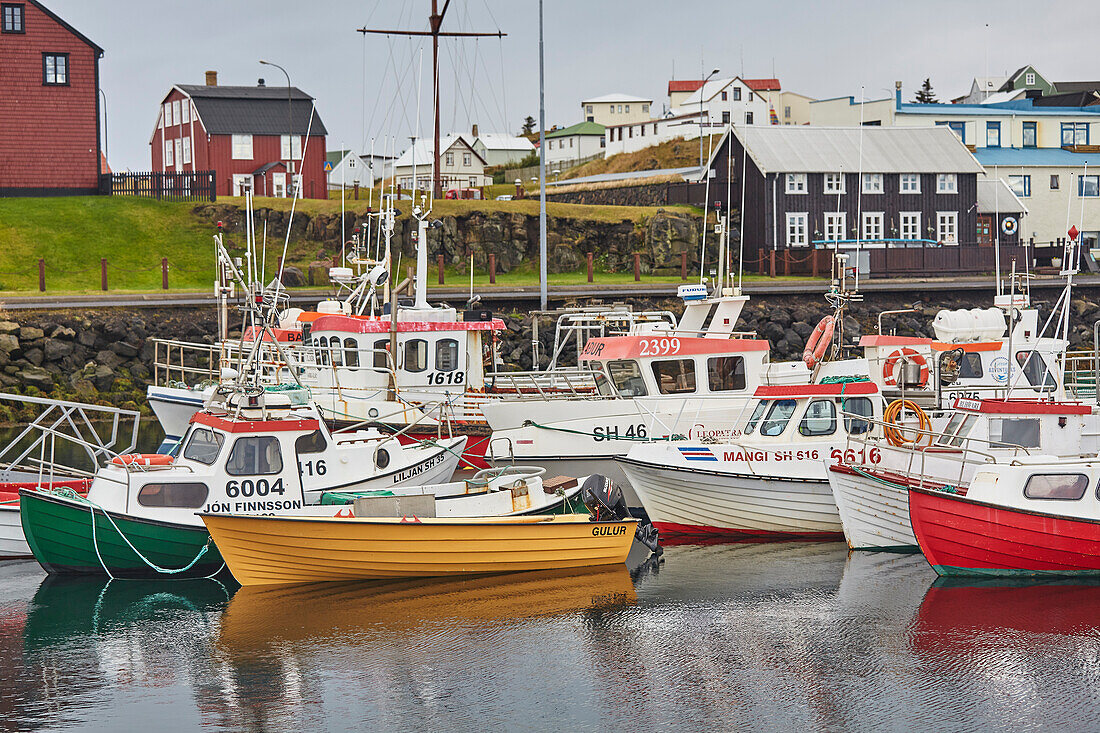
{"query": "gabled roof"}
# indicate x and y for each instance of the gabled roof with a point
(254, 110)
(504, 141)
(424, 148)
(581, 128)
(335, 156)
(988, 83)
(995, 197)
(1069, 87)
(762, 85)
(61, 21)
(813, 149)
(684, 85)
(1016, 75)
(617, 98)
(1000, 97)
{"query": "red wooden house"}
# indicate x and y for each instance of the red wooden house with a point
(49, 104)
(253, 138)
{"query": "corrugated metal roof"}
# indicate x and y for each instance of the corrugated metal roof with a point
(504, 141)
(690, 172)
(808, 149)
(684, 85)
(616, 98)
(994, 196)
(581, 128)
(1034, 156)
(424, 149)
(253, 110)
(762, 85)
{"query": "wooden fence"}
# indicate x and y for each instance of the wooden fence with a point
(963, 259)
(189, 186)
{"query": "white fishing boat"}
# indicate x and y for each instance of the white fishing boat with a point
(770, 481)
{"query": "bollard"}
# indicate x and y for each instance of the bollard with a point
(683, 265)
(103, 273)
(164, 273)
(492, 269)
(41, 275)
(356, 191)
(814, 262)
(771, 263)
(439, 264)
(637, 267)
(589, 267)
(786, 262)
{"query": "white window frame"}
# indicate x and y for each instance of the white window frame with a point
(449, 159)
(176, 112)
(1029, 78)
(796, 183)
(179, 152)
(835, 225)
(286, 142)
(278, 185)
(168, 114)
(797, 226)
(186, 151)
(169, 161)
(833, 182)
(185, 109)
(904, 178)
(467, 160)
(947, 183)
(241, 147)
(872, 183)
(872, 225)
(947, 227)
(909, 225)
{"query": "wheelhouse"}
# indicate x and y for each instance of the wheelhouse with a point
(791, 414)
(1021, 425)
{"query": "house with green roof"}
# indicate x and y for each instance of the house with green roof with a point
(570, 145)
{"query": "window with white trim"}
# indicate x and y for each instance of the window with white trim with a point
(467, 158)
(910, 224)
(909, 182)
(796, 229)
(285, 144)
(1029, 78)
(167, 114)
(872, 225)
(168, 159)
(179, 152)
(872, 183)
(947, 227)
(242, 147)
(1020, 185)
(947, 183)
(449, 160)
(186, 150)
(185, 109)
(176, 112)
(834, 182)
(834, 225)
(796, 183)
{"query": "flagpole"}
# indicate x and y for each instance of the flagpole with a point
(542, 173)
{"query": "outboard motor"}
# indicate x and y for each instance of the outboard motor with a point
(606, 503)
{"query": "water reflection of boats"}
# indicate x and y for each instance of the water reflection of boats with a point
(261, 616)
(884, 580)
(990, 607)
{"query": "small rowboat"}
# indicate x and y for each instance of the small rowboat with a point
(266, 550)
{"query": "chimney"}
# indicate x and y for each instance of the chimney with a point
(260, 82)
(473, 131)
(897, 94)
(211, 78)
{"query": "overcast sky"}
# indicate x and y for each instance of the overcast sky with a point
(822, 49)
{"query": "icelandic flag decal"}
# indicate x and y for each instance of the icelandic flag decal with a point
(697, 454)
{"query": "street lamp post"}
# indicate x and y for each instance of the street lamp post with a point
(289, 127)
(701, 88)
(106, 150)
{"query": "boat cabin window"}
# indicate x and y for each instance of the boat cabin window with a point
(726, 373)
(351, 352)
(446, 355)
(310, 443)
(675, 376)
(1035, 369)
(182, 495)
(416, 355)
(203, 446)
(381, 346)
(958, 427)
(255, 456)
(627, 376)
(1063, 486)
(820, 419)
(855, 409)
(970, 366)
(757, 413)
(778, 417)
(1010, 432)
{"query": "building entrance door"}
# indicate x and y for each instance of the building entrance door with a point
(985, 230)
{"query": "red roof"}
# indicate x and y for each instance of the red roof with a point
(762, 85)
(684, 85)
(849, 389)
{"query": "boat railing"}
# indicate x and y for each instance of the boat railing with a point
(556, 383)
(1080, 370)
(924, 445)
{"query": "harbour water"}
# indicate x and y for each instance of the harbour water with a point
(754, 636)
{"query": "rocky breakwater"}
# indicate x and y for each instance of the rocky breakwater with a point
(512, 237)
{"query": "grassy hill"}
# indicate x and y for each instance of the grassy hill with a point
(671, 154)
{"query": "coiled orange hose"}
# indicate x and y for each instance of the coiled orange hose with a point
(895, 434)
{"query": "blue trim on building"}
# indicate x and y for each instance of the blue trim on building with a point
(1034, 156)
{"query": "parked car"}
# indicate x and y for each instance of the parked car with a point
(463, 193)
(504, 197)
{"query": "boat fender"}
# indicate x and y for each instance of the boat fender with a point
(890, 379)
(143, 459)
(819, 340)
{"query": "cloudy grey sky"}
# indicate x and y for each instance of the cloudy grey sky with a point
(593, 47)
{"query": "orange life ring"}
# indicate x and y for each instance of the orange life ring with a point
(888, 377)
(819, 340)
(143, 459)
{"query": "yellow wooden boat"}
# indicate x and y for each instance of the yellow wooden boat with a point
(272, 550)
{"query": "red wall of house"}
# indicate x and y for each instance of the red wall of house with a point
(215, 152)
(48, 134)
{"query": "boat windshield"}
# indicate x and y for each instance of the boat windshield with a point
(203, 446)
(778, 417)
(1035, 370)
(855, 409)
(627, 376)
(820, 419)
(958, 427)
(756, 415)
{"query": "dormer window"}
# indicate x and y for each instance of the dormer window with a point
(12, 18)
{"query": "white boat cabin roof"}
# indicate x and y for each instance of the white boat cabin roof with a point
(365, 324)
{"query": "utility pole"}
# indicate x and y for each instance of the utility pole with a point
(542, 177)
(435, 21)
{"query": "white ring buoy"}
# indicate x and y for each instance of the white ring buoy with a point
(1008, 225)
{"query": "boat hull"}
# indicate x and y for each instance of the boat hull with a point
(58, 531)
(966, 537)
(280, 550)
(874, 513)
(12, 541)
(701, 502)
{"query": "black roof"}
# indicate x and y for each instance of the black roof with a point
(67, 27)
(1073, 99)
(253, 110)
(1068, 87)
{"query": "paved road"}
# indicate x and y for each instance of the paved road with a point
(526, 294)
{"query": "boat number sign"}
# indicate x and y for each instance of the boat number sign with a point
(611, 432)
(312, 468)
(659, 347)
(851, 455)
(446, 377)
(247, 487)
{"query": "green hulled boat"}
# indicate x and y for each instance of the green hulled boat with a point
(59, 531)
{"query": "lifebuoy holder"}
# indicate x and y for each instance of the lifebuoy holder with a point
(143, 459)
(819, 340)
(889, 378)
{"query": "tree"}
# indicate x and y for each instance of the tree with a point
(925, 95)
(528, 125)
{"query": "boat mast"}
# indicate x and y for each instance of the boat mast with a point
(542, 176)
